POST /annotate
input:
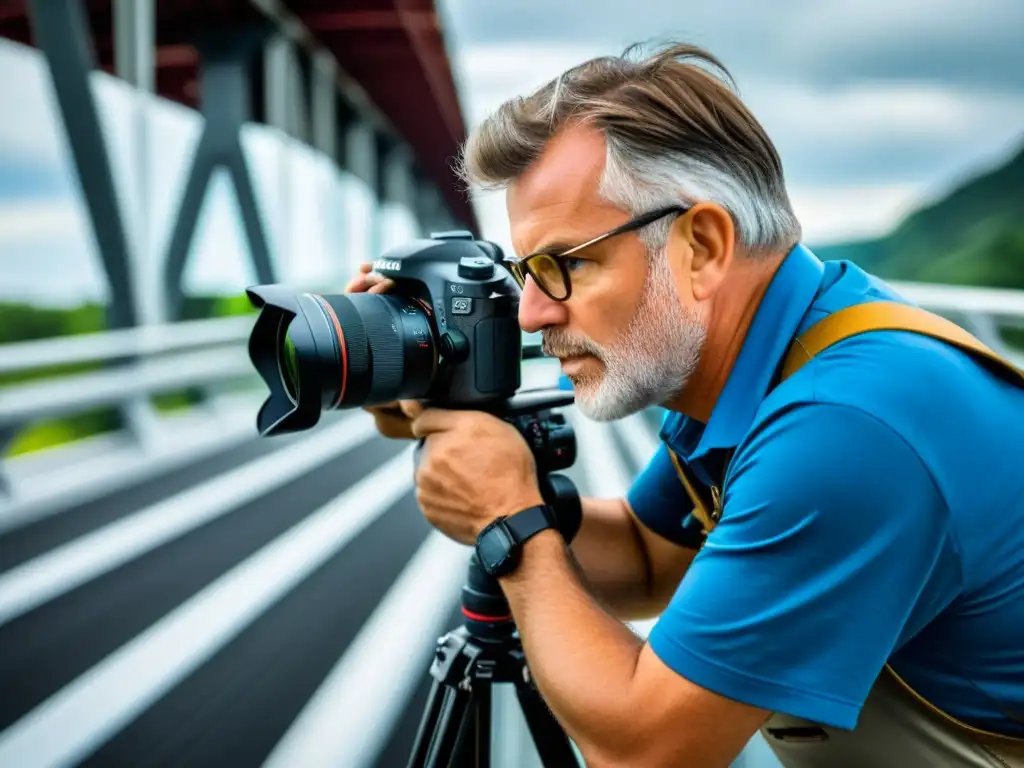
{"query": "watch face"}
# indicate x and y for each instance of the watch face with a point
(494, 547)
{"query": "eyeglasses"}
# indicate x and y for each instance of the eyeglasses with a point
(549, 270)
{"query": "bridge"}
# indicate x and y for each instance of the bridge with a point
(177, 590)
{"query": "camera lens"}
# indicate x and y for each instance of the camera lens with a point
(327, 352)
(291, 367)
(384, 345)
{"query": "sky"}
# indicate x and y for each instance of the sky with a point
(875, 106)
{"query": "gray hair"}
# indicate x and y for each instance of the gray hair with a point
(676, 134)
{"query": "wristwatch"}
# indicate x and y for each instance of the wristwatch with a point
(499, 545)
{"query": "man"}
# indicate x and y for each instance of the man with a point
(866, 512)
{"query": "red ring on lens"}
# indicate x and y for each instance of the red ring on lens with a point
(341, 343)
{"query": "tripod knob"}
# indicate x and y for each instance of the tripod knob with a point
(560, 492)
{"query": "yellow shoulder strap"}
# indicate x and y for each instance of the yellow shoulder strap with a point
(888, 316)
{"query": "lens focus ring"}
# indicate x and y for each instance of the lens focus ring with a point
(387, 358)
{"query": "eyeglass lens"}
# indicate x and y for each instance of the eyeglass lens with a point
(548, 274)
(545, 270)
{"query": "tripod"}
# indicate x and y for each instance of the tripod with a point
(455, 730)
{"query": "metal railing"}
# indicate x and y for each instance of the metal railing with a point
(163, 358)
(139, 363)
(131, 367)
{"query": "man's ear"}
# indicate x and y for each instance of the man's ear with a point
(701, 247)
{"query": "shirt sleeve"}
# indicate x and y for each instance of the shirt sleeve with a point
(833, 548)
(659, 500)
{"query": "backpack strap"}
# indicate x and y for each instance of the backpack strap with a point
(889, 316)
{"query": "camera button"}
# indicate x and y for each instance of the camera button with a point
(476, 268)
(454, 346)
(462, 305)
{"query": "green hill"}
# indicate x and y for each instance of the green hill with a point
(973, 236)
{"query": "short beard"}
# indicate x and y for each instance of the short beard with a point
(648, 363)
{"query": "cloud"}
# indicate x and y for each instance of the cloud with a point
(843, 41)
(24, 221)
(966, 45)
(835, 214)
(48, 254)
(22, 178)
(491, 73)
(871, 101)
(899, 133)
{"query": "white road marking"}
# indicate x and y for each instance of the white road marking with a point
(80, 717)
(62, 569)
(349, 718)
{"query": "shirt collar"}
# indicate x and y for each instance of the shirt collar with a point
(784, 304)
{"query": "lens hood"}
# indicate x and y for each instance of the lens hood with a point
(286, 315)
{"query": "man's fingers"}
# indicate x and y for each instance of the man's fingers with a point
(366, 280)
(382, 287)
(411, 408)
(434, 420)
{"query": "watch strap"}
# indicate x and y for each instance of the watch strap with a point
(530, 521)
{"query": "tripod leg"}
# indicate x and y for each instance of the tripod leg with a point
(428, 724)
(552, 743)
(447, 714)
(482, 727)
(451, 730)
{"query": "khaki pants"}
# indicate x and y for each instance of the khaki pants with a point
(895, 730)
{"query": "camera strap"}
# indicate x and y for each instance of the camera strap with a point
(891, 691)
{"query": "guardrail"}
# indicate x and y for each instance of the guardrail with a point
(129, 342)
(132, 366)
(142, 362)
(160, 359)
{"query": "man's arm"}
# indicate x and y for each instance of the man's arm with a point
(631, 569)
(599, 682)
(617, 701)
(834, 544)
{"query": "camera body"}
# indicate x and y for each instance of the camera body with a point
(472, 305)
(446, 333)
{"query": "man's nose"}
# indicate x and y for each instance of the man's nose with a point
(537, 310)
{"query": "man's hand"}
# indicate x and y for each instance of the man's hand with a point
(390, 420)
(473, 468)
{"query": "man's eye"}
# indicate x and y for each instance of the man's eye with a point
(572, 264)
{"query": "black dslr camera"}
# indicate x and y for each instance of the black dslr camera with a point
(447, 334)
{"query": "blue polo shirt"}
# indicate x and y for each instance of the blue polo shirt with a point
(873, 511)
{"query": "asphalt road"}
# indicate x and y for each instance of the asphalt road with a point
(129, 638)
